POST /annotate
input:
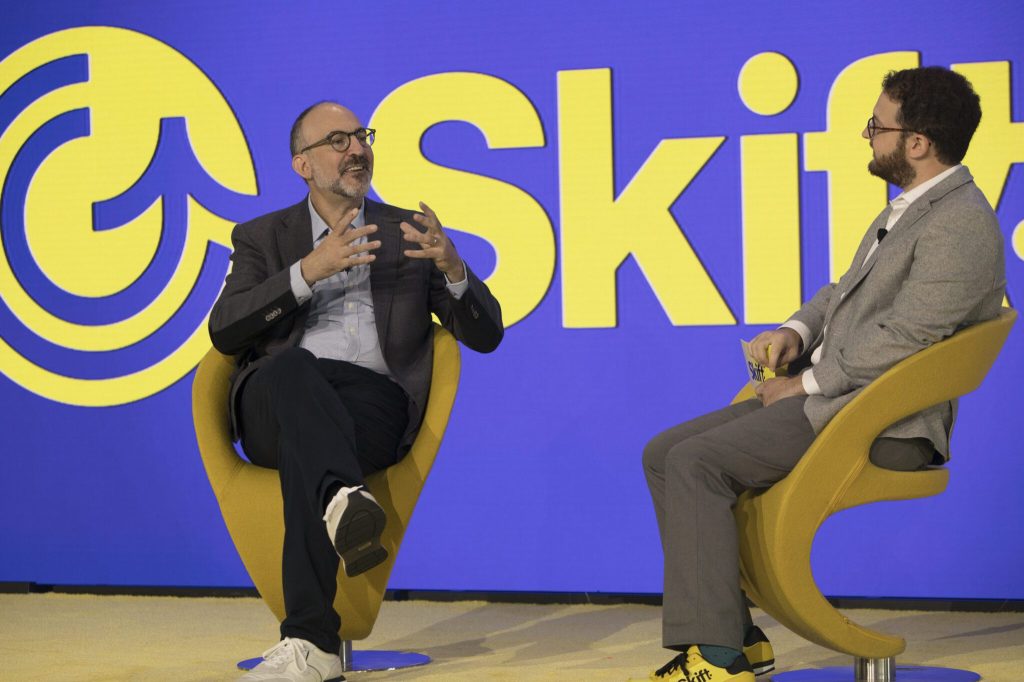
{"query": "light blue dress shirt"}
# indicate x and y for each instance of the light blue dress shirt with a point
(341, 324)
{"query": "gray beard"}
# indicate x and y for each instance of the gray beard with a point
(338, 188)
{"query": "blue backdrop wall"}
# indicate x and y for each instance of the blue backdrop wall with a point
(643, 185)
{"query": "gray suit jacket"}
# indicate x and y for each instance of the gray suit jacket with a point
(941, 269)
(257, 315)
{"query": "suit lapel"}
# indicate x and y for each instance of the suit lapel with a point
(384, 269)
(294, 237)
(856, 272)
(860, 268)
(906, 222)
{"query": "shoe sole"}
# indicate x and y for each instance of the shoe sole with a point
(762, 667)
(357, 539)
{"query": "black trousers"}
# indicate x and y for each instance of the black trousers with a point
(319, 423)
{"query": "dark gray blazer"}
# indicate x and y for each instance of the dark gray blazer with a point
(257, 315)
(941, 269)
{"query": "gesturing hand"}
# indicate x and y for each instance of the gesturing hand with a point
(337, 252)
(785, 347)
(434, 244)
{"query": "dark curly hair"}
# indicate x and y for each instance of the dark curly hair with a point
(938, 103)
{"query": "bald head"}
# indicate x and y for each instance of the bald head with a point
(315, 116)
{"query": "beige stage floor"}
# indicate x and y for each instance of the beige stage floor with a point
(78, 638)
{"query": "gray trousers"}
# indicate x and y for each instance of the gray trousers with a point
(695, 472)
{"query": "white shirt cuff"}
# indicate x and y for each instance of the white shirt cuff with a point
(802, 329)
(300, 289)
(810, 383)
(457, 289)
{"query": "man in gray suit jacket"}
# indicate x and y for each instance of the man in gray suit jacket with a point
(329, 315)
(930, 264)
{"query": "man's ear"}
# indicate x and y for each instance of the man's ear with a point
(918, 146)
(301, 166)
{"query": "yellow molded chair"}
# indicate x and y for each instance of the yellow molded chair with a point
(250, 499)
(777, 526)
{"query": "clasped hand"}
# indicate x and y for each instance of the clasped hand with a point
(774, 390)
(773, 349)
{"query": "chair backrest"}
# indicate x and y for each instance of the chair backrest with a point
(777, 526)
(250, 496)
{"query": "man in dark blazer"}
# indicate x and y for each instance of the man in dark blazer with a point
(328, 309)
(930, 264)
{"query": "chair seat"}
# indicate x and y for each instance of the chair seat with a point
(250, 496)
(876, 485)
(776, 527)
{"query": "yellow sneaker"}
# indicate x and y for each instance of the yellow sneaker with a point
(758, 651)
(691, 667)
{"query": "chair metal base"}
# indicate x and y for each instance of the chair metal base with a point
(369, 661)
(363, 661)
(903, 673)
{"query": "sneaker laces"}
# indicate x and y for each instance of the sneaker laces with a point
(283, 653)
(677, 662)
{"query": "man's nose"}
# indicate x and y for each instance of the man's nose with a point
(355, 149)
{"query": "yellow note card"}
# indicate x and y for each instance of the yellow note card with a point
(757, 372)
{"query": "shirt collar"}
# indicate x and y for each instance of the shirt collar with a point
(909, 197)
(319, 226)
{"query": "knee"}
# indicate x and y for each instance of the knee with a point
(687, 459)
(655, 452)
(671, 448)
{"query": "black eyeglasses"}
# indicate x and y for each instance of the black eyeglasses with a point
(874, 129)
(340, 139)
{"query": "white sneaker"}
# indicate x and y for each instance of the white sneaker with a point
(296, 660)
(354, 524)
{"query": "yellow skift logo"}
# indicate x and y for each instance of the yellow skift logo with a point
(114, 151)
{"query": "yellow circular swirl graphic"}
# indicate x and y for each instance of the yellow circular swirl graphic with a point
(113, 146)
